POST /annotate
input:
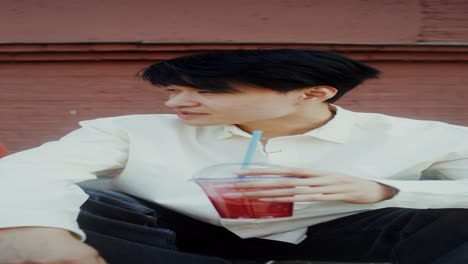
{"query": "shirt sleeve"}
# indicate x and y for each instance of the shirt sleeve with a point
(37, 186)
(450, 191)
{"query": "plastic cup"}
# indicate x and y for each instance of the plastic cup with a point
(219, 180)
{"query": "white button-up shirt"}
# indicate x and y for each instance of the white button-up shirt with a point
(153, 156)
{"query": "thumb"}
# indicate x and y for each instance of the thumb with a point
(100, 260)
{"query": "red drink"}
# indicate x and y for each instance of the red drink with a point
(229, 207)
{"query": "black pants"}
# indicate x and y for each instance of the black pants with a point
(129, 230)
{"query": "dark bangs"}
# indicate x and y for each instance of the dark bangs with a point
(189, 71)
(280, 70)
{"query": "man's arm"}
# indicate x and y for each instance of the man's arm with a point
(37, 186)
(451, 191)
(44, 244)
(313, 186)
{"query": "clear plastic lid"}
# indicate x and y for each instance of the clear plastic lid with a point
(226, 171)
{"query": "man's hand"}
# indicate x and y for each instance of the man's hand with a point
(312, 186)
(44, 245)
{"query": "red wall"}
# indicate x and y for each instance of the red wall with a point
(65, 61)
(188, 21)
(44, 101)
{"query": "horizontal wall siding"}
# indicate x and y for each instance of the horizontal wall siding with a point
(444, 21)
(187, 21)
(42, 101)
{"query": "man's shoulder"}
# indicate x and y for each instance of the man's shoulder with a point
(399, 124)
(144, 121)
(135, 120)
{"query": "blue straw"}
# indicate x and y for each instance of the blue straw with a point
(256, 135)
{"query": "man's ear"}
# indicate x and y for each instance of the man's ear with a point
(317, 94)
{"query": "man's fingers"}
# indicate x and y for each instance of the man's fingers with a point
(307, 198)
(101, 260)
(284, 192)
(284, 183)
(297, 172)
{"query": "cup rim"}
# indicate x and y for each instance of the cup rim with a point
(244, 178)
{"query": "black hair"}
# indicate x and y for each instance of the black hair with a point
(281, 70)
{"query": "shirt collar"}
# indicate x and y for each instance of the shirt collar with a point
(337, 130)
(232, 130)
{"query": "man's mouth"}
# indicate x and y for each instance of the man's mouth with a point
(190, 113)
(185, 114)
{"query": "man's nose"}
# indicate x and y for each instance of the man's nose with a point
(181, 100)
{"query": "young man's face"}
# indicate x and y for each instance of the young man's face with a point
(199, 108)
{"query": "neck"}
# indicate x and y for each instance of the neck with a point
(295, 124)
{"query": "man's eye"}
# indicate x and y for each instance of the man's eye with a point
(210, 92)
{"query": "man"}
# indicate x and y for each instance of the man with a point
(356, 183)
